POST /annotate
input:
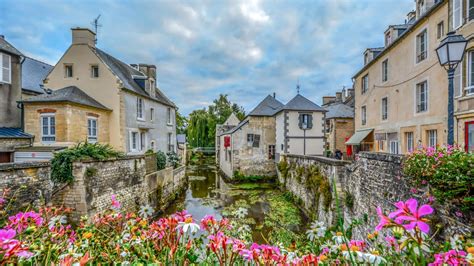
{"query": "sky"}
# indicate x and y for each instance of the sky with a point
(244, 48)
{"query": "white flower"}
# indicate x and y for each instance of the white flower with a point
(374, 259)
(145, 211)
(57, 219)
(188, 226)
(317, 230)
(456, 242)
(245, 228)
(124, 254)
(241, 212)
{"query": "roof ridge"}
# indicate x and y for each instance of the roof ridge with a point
(37, 60)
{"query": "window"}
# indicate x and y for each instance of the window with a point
(469, 139)
(365, 83)
(271, 152)
(92, 129)
(152, 114)
(366, 58)
(68, 70)
(133, 141)
(384, 108)
(152, 84)
(169, 116)
(385, 70)
(170, 142)
(305, 121)
(457, 14)
(6, 68)
(440, 30)
(94, 71)
(409, 141)
(394, 146)
(142, 141)
(470, 9)
(421, 46)
(140, 108)
(388, 38)
(48, 126)
(470, 73)
(253, 140)
(432, 136)
(422, 97)
(363, 114)
(380, 144)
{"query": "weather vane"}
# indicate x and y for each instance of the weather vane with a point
(298, 86)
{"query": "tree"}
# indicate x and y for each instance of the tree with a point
(181, 123)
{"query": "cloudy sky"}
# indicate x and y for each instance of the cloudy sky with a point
(244, 48)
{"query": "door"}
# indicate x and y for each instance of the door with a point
(469, 139)
(5, 157)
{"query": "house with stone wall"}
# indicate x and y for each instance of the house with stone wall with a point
(130, 112)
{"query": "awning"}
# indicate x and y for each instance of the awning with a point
(359, 136)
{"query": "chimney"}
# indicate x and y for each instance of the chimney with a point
(83, 36)
(148, 70)
(2, 36)
(328, 99)
(338, 96)
(274, 95)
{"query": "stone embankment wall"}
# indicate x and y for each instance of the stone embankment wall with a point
(375, 179)
(134, 180)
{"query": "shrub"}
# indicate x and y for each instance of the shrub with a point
(61, 164)
(239, 177)
(173, 159)
(283, 168)
(449, 171)
(349, 200)
(160, 160)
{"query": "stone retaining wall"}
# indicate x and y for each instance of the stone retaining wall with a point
(374, 179)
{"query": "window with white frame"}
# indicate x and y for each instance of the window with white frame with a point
(432, 136)
(421, 46)
(422, 97)
(92, 129)
(142, 141)
(134, 141)
(470, 73)
(457, 14)
(94, 71)
(470, 9)
(384, 108)
(170, 142)
(458, 81)
(363, 114)
(68, 70)
(140, 108)
(394, 146)
(385, 70)
(170, 121)
(6, 71)
(440, 30)
(365, 83)
(409, 141)
(48, 128)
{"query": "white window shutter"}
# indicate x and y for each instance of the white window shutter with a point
(6, 68)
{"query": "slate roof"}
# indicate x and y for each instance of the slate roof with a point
(300, 103)
(13, 133)
(339, 110)
(7, 47)
(125, 73)
(268, 107)
(68, 94)
(33, 74)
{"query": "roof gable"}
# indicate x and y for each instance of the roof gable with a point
(8, 48)
(232, 120)
(300, 103)
(268, 107)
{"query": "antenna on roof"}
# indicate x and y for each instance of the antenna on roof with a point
(96, 25)
(298, 86)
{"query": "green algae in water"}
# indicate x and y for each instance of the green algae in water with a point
(253, 186)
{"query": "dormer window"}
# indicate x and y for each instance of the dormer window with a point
(94, 71)
(68, 70)
(388, 38)
(366, 58)
(421, 7)
(6, 69)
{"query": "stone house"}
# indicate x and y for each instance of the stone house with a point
(248, 148)
(300, 128)
(231, 122)
(141, 117)
(339, 120)
(461, 18)
(401, 90)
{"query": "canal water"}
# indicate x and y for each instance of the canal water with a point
(259, 212)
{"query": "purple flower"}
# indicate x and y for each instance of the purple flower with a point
(409, 212)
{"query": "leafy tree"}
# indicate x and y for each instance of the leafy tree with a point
(181, 123)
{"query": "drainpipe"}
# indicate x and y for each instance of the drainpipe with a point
(304, 141)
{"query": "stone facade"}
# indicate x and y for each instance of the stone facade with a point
(71, 122)
(340, 130)
(9, 144)
(10, 93)
(375, 179)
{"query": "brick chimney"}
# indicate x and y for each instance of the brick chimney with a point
(83, 36)
(328, 99)
(338, 96)
(148, 70)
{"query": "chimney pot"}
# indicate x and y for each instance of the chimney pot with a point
(274, 95)
(83, 36)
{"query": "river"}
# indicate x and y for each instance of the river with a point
(259, 212)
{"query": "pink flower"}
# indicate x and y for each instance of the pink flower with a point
(22, 220)
(10, 246)
(459, 214)
(392, 242)
(409, 212)
(384, 220)
(452, 257)
(115, 202)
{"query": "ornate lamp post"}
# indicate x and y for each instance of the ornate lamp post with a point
(450, 53)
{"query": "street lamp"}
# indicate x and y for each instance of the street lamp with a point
(450, 53)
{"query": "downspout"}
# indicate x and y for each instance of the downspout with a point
(20, 104)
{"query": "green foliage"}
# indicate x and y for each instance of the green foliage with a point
(173, 159)
(202, 123)
(283, 167)
(181, 123)
(61, 164)
(160, 160)
(349, 200)
(320, 186)
(90, 172)
(448, 171)
(239, 177)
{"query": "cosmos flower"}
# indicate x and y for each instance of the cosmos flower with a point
(145, 211)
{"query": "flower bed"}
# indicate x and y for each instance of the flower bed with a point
(43, 237)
